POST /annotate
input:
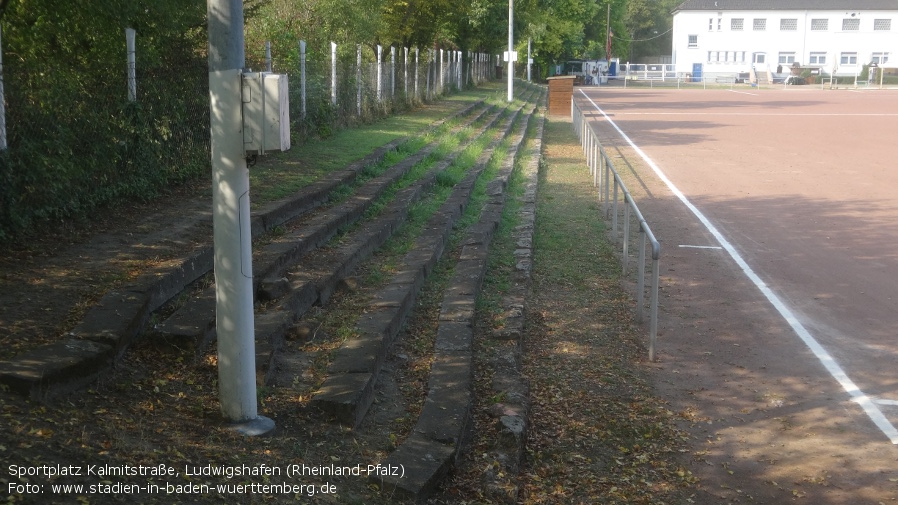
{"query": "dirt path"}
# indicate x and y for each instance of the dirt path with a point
(768, 423)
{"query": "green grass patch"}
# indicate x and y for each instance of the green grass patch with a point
(281, 174)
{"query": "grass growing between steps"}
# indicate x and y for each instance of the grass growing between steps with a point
(339, 318)
(280, 174)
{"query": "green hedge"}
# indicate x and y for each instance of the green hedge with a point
(75, 144)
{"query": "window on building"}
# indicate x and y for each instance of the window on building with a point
(848, 59)
(882, 24)
(719, 22)
(759, 24)
(819, 25)
(736, 24)
(786, 58)
(789, 24)
(880, 58)
(693, 41)
(817, 59)
(851, 24)
(710, 24)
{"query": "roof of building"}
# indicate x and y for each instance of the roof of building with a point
(813, 5)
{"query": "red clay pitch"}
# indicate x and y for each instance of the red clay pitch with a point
(803, 184)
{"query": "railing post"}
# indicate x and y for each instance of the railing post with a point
(614, 209)
(589, 155)
(595, 172)
(584, 138)
(607, 188)
(592, 152)
(653, 322)
(640, 278)
(625, 257)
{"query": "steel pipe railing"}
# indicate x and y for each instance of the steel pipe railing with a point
(610, 187)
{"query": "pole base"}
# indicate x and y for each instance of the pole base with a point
(261, 425)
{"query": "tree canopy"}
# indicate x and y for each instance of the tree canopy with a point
(87, 31)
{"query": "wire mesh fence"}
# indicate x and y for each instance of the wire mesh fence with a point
(81, 138)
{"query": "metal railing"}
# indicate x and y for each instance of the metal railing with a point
(610, 190)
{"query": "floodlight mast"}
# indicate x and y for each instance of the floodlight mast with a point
(231, 221)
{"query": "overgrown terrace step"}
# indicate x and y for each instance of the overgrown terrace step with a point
(511, 415)
(285, 250)
(443, 427)
(123, 314)
(348, 391)
(194, 322)
(319, 275)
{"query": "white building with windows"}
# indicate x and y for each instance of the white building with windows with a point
(716, 37)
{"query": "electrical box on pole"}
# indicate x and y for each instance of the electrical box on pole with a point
(266, 112)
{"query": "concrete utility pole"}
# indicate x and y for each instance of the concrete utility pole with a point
(231, 221)
(510, 49)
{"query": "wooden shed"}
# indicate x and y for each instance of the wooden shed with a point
(561, 90)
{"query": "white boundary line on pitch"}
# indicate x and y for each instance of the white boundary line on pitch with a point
(742, 92)
(826, 359)
(686, 246)
(790, 114)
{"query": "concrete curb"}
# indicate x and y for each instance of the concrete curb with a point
(512, 414)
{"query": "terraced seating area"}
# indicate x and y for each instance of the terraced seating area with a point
(404, 231)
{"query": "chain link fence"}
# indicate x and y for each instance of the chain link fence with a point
(76, 142)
